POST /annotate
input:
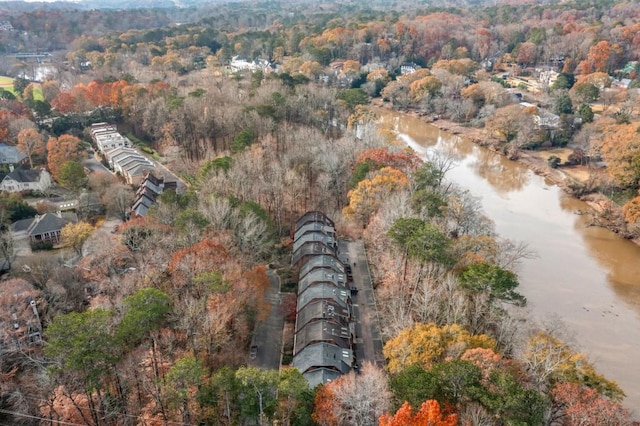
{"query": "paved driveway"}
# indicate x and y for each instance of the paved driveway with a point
(368, 340)
(268, 335)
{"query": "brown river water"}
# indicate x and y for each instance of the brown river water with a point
(587, 277)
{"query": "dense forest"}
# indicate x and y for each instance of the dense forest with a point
(261, 108)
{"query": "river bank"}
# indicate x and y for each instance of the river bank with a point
(585, 277)
(606, 213)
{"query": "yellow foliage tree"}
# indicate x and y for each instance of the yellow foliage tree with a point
(75, 234)
(426, 344)
(366, 198)
(425, 88)
(351, 67)
(378, 74)
(463, 66)
(310, 69)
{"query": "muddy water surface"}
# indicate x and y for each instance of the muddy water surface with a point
(586, 276)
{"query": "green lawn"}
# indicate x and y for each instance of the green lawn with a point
(37, 93)
(6, 83)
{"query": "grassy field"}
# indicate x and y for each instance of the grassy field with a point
(6, 83)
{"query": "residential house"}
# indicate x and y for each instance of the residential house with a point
(322, 330)
(542, 117)
(325, 262)
(622, 83)
(322, 309)
(547, 77)
(147, 195)
(409, 68)
(322, 362)
(43, 228)
(108, 141)
(238, 63)
(11, 154)
(129, 163)
(320, 275)
(26, 180)
(107, 138)
(325, 333)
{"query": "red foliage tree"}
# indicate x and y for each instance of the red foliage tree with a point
(585, 407)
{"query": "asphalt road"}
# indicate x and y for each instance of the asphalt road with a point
(368, 341)
(268, 335)
(93, 164)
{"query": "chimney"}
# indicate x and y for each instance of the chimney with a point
(10, 168)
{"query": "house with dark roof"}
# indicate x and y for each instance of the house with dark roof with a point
(313, 217)
(308, 250)
(11, 154)
(150, 189)
(26, 180)
(323, 309)
(325, 332)
(327, 262)
(43, 228)
(322, 330)
(329, 359)
(318, 276)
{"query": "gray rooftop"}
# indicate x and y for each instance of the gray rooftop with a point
(50, 222)
(324, 355)
(314, 216)
(315, 227)
(24, 175)
(325, 261)
(320, 376)
(328, 240)
(323, 291)
(10, 154)
(311, 248)
(322, 331)
(319, 309)
(319, 275)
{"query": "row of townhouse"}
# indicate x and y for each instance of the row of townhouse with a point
(325, 329)
(134, 167)
(117, 150)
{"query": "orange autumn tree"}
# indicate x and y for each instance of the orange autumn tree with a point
(323, 407)
(429, 414)
(60, 150)
(621, 151)
(631, 210)
(384, 157)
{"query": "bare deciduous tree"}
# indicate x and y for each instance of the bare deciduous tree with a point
(362, 399)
